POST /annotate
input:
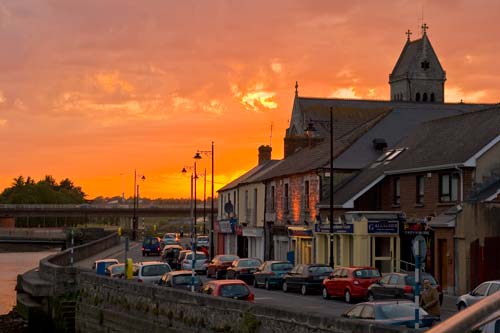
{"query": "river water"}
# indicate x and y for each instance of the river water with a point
(12, 264)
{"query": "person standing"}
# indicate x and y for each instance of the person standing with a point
(429, 300)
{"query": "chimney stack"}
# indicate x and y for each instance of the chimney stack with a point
(264, 154)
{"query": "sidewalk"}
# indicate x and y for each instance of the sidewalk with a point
(448, 308)
(115, 252)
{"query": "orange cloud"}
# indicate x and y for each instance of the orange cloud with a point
(255, 99)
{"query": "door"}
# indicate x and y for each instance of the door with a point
(443, 263)
(334, 283)
(382, 254)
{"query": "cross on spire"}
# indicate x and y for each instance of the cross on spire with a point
(424, 28)
(296, 88)
(408, 33)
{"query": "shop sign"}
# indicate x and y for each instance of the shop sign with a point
(227, 226)
(383, 227)
(412, 229)
(253, 232)
(299, 232)
(347, 228)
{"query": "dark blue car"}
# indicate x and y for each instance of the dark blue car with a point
(151, 245)
(393, 313)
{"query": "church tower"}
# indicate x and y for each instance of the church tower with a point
(418, 75)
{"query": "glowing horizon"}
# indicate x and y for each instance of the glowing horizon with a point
(93, 90)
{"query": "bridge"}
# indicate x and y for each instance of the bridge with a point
(33, 235)
(85, 210)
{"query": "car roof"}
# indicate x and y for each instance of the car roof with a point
(226, 282)
(144, 263)
(106, 260)
(352, 268)
(277, 262)
(388, 301)
(183, 272)
(173, 246)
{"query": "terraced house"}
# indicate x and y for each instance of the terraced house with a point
(400, 168)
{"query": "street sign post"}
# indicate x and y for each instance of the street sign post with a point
(419, 249)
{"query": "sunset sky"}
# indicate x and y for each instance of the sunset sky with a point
(92, 89)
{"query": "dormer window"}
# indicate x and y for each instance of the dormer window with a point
(425, 65)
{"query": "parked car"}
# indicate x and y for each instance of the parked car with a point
(170, 238)
(100, 265)
(270, 274)
(400, 285)
(118, 270)
(181, 280)
(170, 254)
(152, 271)
(235, 289)
(243, 269)
(306, 278)
(350, 282)
(151, 245)
(393, 313)
(219, 264)
(481, 291)
(200, 263)
(202, 240)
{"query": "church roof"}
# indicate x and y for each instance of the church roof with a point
(411, 56)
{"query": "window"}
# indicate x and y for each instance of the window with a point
(494, 288)
(254, 213)
(425, 65)
(397, 192)
(481, 290)
(424, 97)
(448, 187)
(417, 97)
(394, 280)
(306, 194)
(433, 97)
(420, 190)
(272, 199)
(285, 199)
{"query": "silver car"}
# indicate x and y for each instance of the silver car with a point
(484, 289)
(151, 271)
(201, 262)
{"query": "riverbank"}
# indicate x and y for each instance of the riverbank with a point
(12, 323)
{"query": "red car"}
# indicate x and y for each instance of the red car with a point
(219, 265)
(236, 289)
(350, 282)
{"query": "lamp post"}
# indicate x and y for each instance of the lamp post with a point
(193, 229)
(135, 221)
(310, 128)
(211, 235)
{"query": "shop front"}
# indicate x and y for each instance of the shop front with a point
(342, 243)
(279, 244)
(226, 236)
(255, 241)
(300, 245)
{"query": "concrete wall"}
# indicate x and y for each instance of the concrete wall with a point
(112, 305)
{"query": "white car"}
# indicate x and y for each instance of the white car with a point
(201, 262)
(151, 271)
(202, 241)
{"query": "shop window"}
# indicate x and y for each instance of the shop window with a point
(272, 199)
(306, 194)
(396, 192)
(448, 187)
(286, 199)
(420, 190)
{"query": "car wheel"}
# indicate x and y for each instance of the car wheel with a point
(255, 284)
(284, 287)
(325, 293)
(303, 290)
(371, 298)
(268, 286)
(347, 296)
(461, 306)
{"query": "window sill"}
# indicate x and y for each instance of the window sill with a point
(447, 204)
(395, 206)
(419, 205)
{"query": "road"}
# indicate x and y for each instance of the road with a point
(307, 304)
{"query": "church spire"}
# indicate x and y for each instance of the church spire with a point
(408, 33)
(296, 88)
(424, 29)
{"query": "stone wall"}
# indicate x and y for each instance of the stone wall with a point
(113, 305)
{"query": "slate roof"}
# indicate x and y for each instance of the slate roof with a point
(445, 141)
(249, 176)
(486, 191)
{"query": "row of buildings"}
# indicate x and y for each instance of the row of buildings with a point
(412, 165)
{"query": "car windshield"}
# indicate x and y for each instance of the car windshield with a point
(199, 256)
(320, 269)
(366, 273)
(154, 270)
(228, 258)
(410, 279)
(234, 290)
(186, 280)
(281, 267)
(249, 263)
(203, 238)
(118, 269)
(399, 310)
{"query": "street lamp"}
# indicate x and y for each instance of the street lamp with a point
(310, 128)
(135, 221)
(211, 235)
